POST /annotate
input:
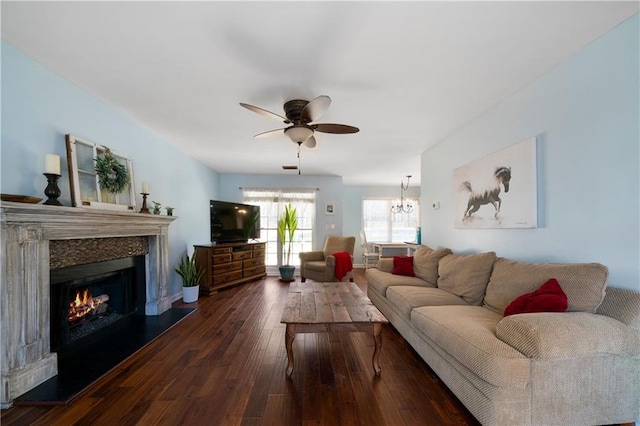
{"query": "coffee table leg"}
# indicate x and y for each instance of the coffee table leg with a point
(288, 340)
(377, 338)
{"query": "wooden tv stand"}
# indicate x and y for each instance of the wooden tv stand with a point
(229, 264)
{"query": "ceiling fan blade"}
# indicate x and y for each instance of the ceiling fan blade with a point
(310, 143)
(315, 109)
(269, 133)
(334, 128)
(264, 112)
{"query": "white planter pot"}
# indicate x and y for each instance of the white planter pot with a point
(190, 294)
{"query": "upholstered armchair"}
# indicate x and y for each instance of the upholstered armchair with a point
(320, 265)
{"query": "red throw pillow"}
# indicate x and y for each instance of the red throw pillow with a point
(548, 298)
(403, 265)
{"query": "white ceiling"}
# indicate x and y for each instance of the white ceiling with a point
(407, 74)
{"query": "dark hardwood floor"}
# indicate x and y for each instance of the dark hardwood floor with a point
(225, 365)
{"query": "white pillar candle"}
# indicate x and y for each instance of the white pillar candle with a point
(52, 164)
(145, 188)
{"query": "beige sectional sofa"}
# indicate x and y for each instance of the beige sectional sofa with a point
(577, 367)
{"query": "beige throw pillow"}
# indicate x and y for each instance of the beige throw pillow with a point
(466, 276)
(425, 263)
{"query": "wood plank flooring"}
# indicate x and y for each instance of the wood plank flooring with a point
(225, 365)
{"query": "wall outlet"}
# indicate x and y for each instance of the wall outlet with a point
(435, 205)
(330, 226)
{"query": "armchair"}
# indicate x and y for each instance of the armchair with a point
(320, 265)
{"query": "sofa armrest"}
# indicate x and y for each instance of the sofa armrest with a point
(309, 256)
(567, 335)
(331, 260)
(385, 264)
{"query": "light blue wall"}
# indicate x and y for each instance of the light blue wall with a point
(353, 196)
(39, 108)
(329, 191)
(585, 114)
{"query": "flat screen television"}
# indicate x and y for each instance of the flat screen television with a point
(234, 222)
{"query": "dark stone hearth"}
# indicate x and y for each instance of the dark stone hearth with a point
(79, 371)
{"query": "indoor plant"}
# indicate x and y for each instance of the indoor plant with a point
(287, 226)
(190, 274)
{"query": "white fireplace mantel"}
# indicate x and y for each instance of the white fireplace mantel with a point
(26, 360)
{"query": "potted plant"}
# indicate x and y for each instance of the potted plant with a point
(188, 270)
(287, 226)
(156, 207)
(169, 210)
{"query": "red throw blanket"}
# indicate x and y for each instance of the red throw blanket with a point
(343, 263)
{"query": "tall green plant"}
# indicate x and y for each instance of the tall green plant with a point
(287, 226)
(188, 270)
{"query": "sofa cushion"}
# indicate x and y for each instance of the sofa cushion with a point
(403, 265)
(567, 335)
(379, 281)
(466, 275)
(425, 263)
(468, 334)
(583, 283)
(406, 298)
(548, 298)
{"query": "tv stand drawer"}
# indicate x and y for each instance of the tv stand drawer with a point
(226, 267)
(226, 277)
(242, 255)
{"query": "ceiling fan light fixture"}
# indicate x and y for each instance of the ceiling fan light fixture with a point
(299, 133)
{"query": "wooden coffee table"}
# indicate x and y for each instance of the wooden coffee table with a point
(315, 307)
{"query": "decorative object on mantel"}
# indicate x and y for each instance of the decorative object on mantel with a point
(112, 174)
(190, 274)
(20, 198)
(156, 207)
(145, 194)
(402, 207)
(99, 177)
(52, 173)
(169, 211)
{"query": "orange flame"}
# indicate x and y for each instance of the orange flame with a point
(81, 306)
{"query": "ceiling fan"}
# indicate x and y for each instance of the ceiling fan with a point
(301, 115)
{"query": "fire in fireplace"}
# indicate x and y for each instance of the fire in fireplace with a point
(90, 301)
(84, 307)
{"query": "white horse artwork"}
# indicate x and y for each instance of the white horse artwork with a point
(499, 190)
(490, 195)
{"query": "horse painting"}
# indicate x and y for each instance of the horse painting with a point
(488, 195)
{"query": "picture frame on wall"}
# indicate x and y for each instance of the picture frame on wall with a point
(329, 209)
(84, 181)
(498, 190)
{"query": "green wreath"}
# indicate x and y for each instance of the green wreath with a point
(113, 176)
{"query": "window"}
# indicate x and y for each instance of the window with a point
(382, 226)
(272, 203)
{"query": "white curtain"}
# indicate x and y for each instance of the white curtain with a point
(272, 202)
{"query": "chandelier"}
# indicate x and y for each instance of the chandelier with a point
(402, 207)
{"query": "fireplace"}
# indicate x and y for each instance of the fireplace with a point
(91, 302)
(29, 236)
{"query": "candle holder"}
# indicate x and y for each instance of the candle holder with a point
(52, 191)
(144, 208)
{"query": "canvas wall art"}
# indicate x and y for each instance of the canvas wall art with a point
(498, 190)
